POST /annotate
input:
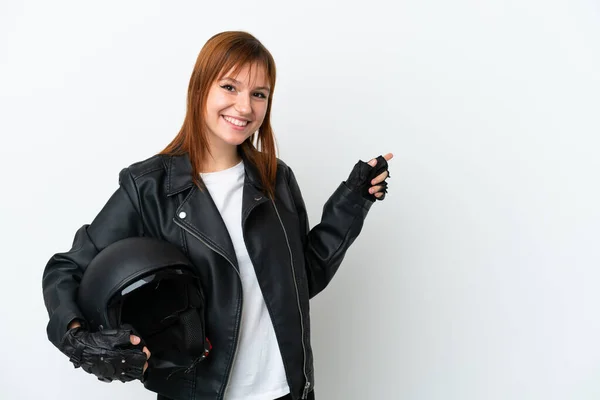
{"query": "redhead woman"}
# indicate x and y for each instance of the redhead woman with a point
(220, 194)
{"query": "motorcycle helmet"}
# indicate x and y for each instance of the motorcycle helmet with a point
(148, 285)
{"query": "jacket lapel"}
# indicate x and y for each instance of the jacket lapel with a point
(254, 193)
(198, 213)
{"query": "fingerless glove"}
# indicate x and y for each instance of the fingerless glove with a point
(361, 176)
(108, 354)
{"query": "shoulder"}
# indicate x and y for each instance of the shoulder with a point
(283, 169)
(153, 168)
(157, 163)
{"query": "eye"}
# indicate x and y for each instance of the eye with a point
(229, 88)
(260, 95)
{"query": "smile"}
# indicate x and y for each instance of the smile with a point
(235, 121)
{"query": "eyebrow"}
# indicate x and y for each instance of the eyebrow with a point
(240, 83)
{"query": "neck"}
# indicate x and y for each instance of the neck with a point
(220, 159)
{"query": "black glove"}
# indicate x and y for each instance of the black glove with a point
(108, 354)
(361, 176)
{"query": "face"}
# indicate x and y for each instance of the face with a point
(236, 106)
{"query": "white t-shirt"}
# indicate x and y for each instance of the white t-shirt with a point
(258, 372)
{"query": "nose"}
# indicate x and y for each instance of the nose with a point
(243, 104)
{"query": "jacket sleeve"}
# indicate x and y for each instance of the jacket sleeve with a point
(325, 245)
(119, 218)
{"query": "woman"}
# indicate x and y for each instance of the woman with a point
(219, 193)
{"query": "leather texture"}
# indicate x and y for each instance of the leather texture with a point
(108, 354)
(293, 263)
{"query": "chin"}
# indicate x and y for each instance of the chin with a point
(234, 140)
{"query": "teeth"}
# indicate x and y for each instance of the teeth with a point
(236, 122)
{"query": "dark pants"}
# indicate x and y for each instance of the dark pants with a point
(311, 396)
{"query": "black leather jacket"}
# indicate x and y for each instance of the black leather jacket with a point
(157, 198)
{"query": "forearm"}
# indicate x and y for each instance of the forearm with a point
(327, 242)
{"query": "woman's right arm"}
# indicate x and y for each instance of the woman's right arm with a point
(119, 218)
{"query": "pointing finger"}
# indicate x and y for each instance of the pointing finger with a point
(387, 157)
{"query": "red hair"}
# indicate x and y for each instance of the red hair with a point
(222, 53)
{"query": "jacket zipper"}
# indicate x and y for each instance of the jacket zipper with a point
(241, 297)
(307, 384)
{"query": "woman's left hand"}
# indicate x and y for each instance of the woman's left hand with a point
(376, 189)
(369, 179)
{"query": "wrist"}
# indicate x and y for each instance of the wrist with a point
(74, 324)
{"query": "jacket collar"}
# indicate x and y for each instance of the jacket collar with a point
(179, 173)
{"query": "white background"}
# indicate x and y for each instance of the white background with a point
(476, 279)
